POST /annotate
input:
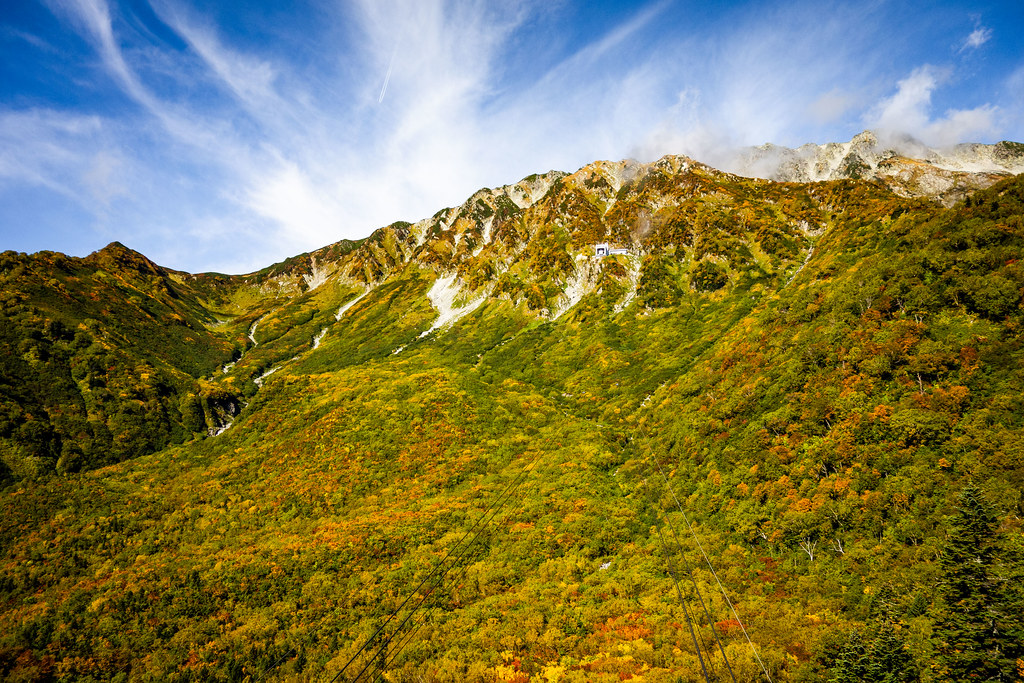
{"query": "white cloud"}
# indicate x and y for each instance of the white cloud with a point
(51, 149)
(778, 74)
(683, 130)
(832, 106)
(249, 79)
(30, 38)
(92, 17)
(908, 112)
(290, 198)
(267, 156)
(977, 38)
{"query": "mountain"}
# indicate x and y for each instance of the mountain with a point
(905, 165)
(775, 435)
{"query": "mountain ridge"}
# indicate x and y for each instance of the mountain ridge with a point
(914, 171)
(811, 373)
(953, 173)
(904, 164)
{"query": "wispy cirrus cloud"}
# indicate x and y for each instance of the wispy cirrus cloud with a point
(62, 150)
(229, 150)
(92, 19)
(978, 37)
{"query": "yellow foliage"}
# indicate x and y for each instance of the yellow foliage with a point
(552, 673)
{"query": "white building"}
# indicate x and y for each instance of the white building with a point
(603, 249)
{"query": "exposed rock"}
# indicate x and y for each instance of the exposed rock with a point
(907, 166)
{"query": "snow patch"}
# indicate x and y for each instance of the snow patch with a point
(485, 237)
(252, 330)
(350, 304)
(581, 283)
(317, 277)
(419, 231)
(810, 253)
(319, 337)
(443, 294)
(259, 380)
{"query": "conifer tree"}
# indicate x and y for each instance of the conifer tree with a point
(978, 635)
(880, 654)
(888, 660)
(851, 664)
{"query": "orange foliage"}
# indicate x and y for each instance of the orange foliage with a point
(726, 625)
(968, 360)
(628, 627)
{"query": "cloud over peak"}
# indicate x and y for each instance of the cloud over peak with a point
(261, 133)
(908, 111)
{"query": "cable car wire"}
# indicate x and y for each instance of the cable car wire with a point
(711, 567)
(489, 513)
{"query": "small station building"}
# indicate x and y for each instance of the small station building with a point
(604, 249)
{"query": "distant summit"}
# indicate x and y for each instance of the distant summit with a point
(115, 256)
(908, 166)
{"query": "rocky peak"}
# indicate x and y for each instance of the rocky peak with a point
(906, 165)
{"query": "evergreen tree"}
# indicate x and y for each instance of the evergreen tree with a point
(880, 654)
(888, 660)
(851, 664)
(977, 629)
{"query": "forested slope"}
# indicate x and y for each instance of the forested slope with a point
(817, 385)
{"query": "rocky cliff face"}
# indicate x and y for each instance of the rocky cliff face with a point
(905, 165)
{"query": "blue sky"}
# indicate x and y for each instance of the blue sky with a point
(228, 135)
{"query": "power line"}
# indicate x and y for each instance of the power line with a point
(726, 596)
(499, 505)
(489, 513)
(382, 659)
(275, 664)
(693, 578)
(721, 588)
(418, 605)
(407, 639)
(679, 594)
